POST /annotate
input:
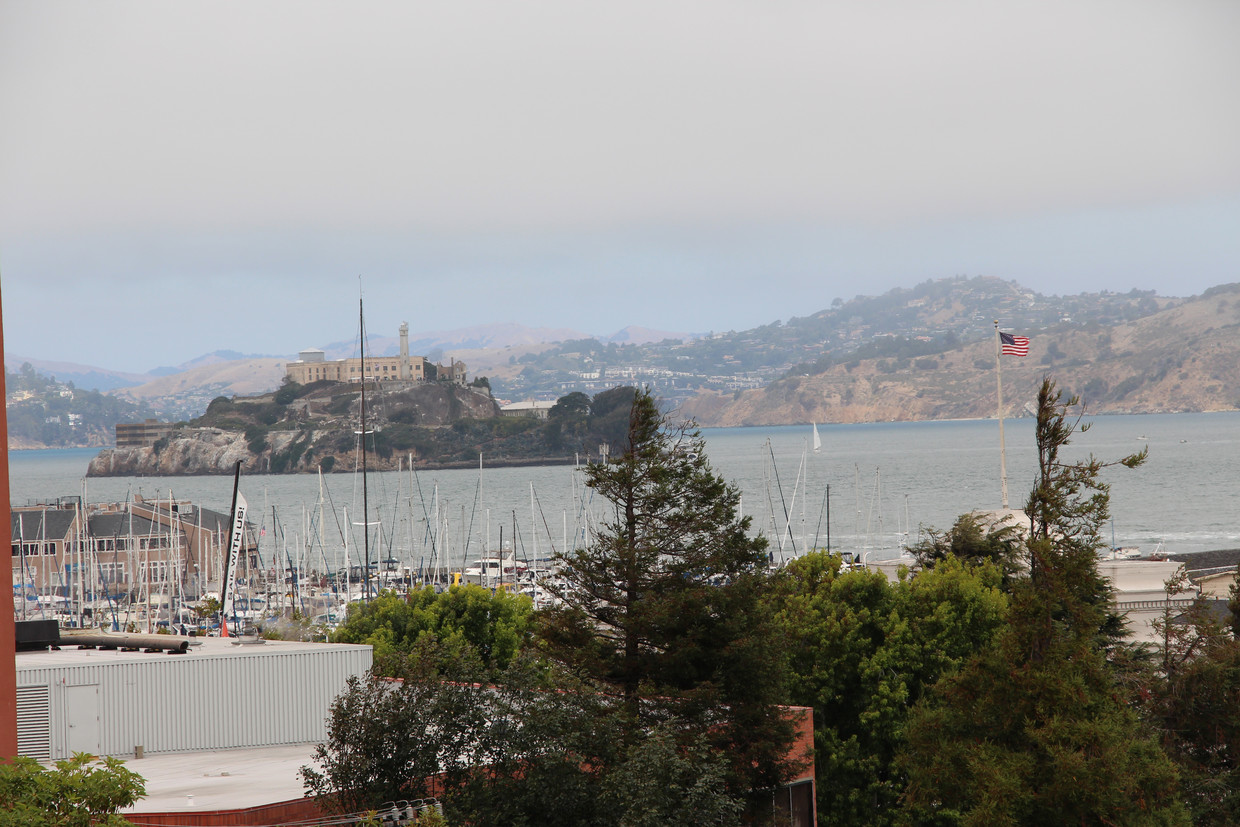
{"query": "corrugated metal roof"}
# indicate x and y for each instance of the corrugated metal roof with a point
(219, 695)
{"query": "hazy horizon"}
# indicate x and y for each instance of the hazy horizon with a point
(177, 179)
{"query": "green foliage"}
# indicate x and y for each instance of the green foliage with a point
(256, 439)
(970, 541)
(664, 608)
(574, 405)
(467, 622)
(83, 791)
(1194, 698)
(288, 392)
(1233, 605)
(1015, 741)
(287, 460)
(862, 651)
(506, 753)
(1032, 729)
(342, 403)
(609, 415)
(1067, 508)
(659, 781)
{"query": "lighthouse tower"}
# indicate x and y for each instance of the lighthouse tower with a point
(405, 373)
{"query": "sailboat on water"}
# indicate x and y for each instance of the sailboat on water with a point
(817, 439)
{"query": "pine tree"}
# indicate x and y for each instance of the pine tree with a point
(663, 610)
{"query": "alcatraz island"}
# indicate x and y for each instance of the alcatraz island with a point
(923, 353)
(411, 411)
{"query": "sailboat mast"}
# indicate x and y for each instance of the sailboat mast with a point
(361, 322)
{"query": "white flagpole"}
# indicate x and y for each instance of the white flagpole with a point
(1002, 447)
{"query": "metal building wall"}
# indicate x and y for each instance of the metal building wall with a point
(249, 696)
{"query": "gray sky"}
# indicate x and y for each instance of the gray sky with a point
(177, 178)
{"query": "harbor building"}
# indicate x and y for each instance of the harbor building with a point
(79, 563)
(217, 727)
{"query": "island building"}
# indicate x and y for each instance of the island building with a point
(141, 434)
(533, 408)
(313, 366)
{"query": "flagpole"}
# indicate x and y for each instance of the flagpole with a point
(1002, 446)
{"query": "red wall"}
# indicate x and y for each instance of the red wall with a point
(8, 632)
(301, 809)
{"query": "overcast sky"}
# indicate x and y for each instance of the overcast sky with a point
(177, 178)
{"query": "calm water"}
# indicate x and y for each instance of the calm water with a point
(888, 482)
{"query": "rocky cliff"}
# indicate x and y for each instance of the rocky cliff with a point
(305, 429)
(191, 452)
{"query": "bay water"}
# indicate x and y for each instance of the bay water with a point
(888, 483)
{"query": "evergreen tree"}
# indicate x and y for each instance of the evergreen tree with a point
(972, 541)
(663, 610)
(1195, 699)
(1035, 729)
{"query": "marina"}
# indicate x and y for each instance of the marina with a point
(869, 490)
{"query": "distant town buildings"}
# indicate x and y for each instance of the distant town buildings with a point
(313, 366)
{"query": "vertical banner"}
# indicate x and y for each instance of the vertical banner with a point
(230, 565)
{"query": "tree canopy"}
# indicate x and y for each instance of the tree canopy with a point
(664, 608)
(1034, 729)
(83, 791)
(466, 621)
(863, 650)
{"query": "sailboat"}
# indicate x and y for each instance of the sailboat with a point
(817, 439)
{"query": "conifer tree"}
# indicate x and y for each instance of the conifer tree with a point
(1034, 730)
(663, 609)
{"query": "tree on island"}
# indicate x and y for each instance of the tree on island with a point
(1034, 729)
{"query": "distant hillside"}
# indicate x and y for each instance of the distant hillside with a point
(186, 395)
(634, 335)
(488, 337)
(82, 376)
(216, 358)
(1184, 358)
(47, 413)
(491, 337)
(936, 315)
(904, 342)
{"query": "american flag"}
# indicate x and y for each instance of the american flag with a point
(1014, 345)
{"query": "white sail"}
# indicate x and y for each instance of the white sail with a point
(817, 440)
